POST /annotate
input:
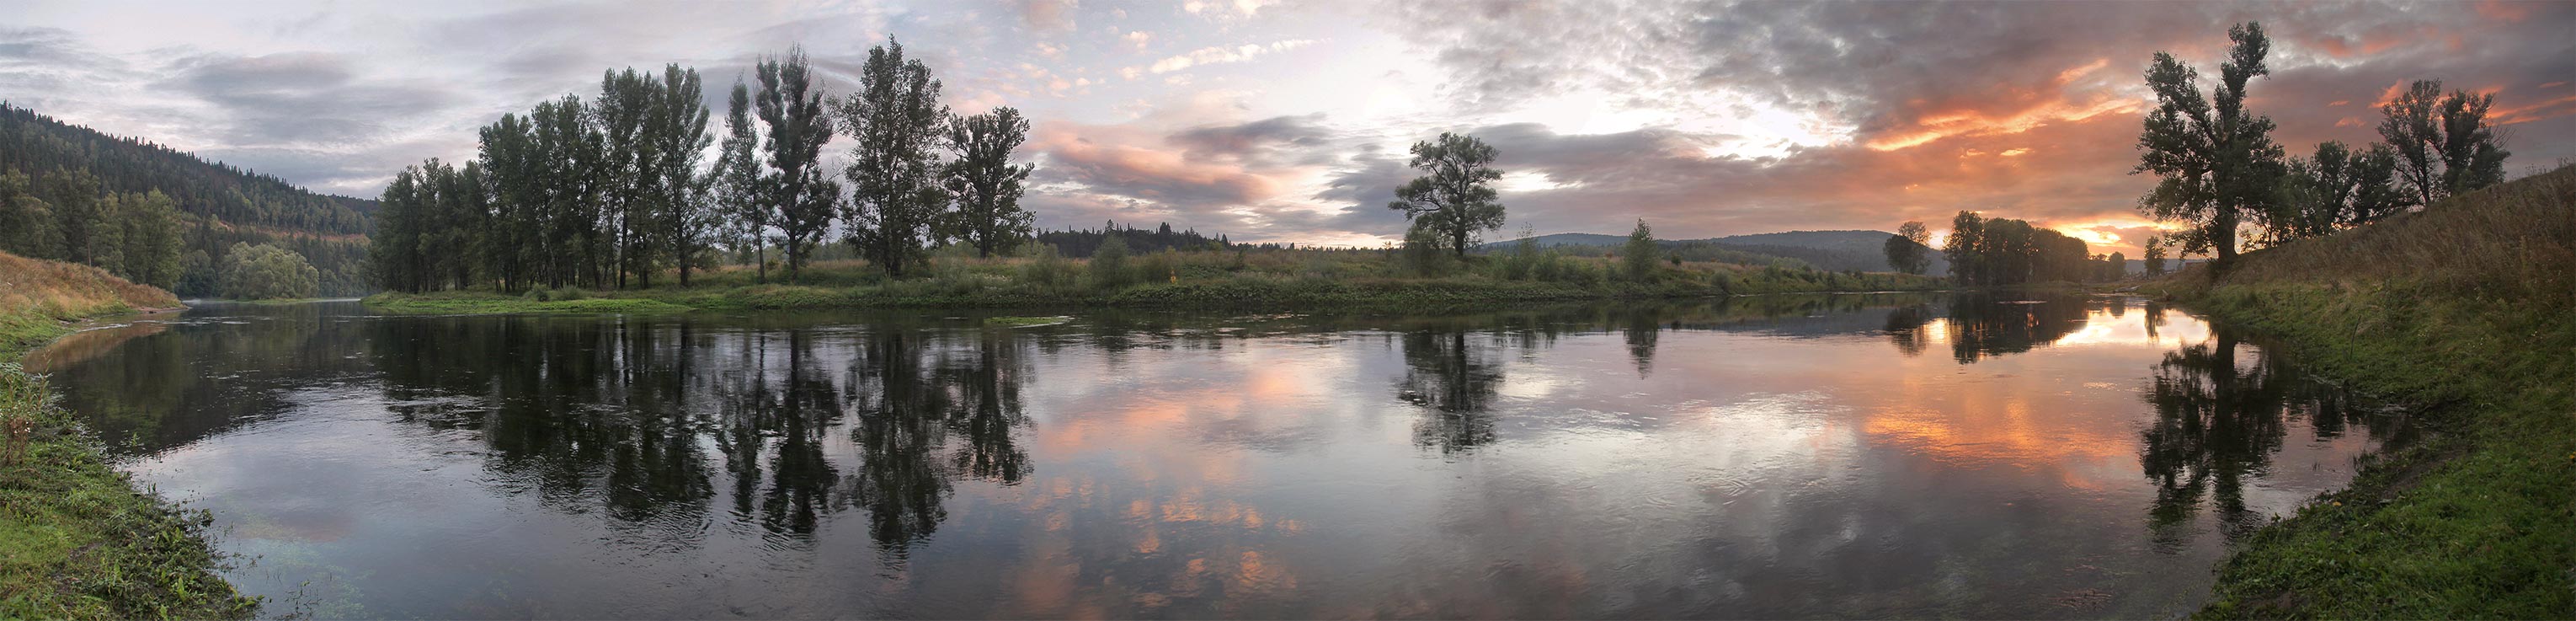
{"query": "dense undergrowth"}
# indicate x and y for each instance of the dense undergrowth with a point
(77, 541)
(2468, 310)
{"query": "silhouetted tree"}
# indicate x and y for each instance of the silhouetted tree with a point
(2443, 143)
(1454, 197)
(2216, 160)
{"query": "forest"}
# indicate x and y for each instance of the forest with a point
(159, 216)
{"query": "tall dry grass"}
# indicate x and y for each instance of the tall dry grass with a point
(2512, 241)
(53, 289)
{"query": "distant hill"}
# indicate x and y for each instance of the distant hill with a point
(1827, 250)
(219, 204)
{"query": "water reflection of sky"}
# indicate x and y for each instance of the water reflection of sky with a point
(1779, 458)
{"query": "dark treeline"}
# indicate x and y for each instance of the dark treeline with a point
(162, 217)
(1083, 242)
(2220, 172)
(609, 192)
(2000, 251)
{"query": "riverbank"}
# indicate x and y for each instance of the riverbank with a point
(77, 540)
(1184, 281)
(2467, 310)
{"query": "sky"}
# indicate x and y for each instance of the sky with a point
(1288, 121)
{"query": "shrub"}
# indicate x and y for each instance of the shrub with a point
(1109, 264)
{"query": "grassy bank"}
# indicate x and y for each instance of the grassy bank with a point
(2467, 310)
(77, 541)
(1270, 279)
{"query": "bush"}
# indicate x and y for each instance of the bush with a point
(1048, 272)
(1109, 264)
(1160, 267)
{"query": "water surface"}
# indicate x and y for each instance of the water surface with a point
(1849, 456)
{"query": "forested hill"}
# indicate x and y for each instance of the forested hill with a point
(36, 144)
(156, 215)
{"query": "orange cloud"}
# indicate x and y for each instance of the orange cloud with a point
(2553, 108)
(1966, 123)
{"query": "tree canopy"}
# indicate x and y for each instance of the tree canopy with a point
(1454, 198)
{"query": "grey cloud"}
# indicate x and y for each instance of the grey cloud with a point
(300, 98)
(1255, 139)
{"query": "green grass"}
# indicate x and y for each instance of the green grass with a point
(1292, 279)
(77, 541)
(2468, 311)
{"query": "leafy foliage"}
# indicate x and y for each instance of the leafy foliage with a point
(2216, 160)
(1455, 197)
(267, 272)
(2443, 143)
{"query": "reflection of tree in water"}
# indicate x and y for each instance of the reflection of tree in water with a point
(2219, 423)
(1642, 326)
(988, 412)
(1905, 328)
(642, 420)
(1984, 325)
(901, 412)
(1444, 374)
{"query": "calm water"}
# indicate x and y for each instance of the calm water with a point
(1853, 456)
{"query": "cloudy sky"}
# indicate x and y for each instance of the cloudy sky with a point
(1280, 120)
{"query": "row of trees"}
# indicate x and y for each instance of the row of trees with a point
(610, 192)
(1084, 242)
(2000, 251)
(2219, 169)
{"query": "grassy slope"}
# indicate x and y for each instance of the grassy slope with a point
(2468, 309)
(76, 539)
(1316, 279)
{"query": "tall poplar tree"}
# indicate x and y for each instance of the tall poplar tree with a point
(2217, 161)
(896, 193)
(742, 193)
(985, 182)
(791, 107)
(680, 139)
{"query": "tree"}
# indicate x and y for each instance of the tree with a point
(896, 193)
(679, 135)
(153, 238)
(1965, 247)
(1905, 249)
(987, 185)
(2336, 188)
(1638, 257)
(27, 225)
(265, 272)
(2444, 145)
(2155, 255)
(625, 106)
(791, 109)
(741, 192)
(1455, 196)
(2216, 159)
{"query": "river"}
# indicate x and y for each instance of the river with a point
(1761, 457)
